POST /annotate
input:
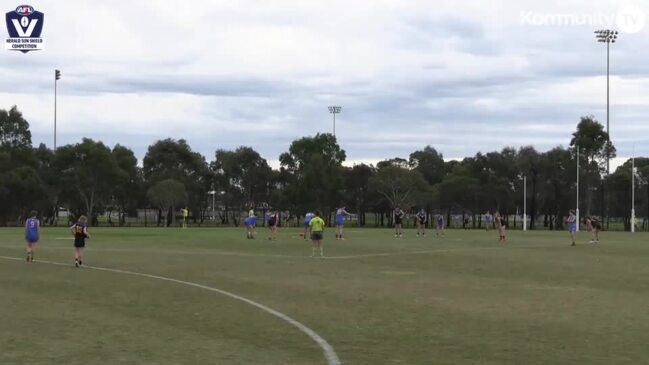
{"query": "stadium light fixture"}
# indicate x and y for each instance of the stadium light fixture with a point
(335, 109)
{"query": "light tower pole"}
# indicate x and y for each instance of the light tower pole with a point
(524, 203)
(335, 109)
(57, 77)
(633, 192)
(607, 36)
(577, 210)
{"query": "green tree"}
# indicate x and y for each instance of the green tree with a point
(429, 163)
(245, 175)
(398, 185)
(89, 174)
(171, 159)
(357, 194)
(129, 189)
(315, 166)
(529, 163)
(557, 180)
(14, 129)
(167, 195)
(594, 148)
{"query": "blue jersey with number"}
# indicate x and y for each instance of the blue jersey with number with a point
(31, 229)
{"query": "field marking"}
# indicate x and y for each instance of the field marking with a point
(327, 349)
(305, 256)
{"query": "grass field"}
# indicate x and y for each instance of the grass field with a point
(462, 299)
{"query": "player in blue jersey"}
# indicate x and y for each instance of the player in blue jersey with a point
(273, 221)
(80, 232)
(422, 218)
(32, 234)
(439, 220)
(340, 222)
(571, 220)
(488, 220)
(307, 219)
(250, 223)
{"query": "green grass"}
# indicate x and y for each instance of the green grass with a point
(466, 300)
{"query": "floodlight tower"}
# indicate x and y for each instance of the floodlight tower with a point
(607, 36)
(335, 109)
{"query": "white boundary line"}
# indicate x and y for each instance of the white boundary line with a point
(327, 349)
(243, 254)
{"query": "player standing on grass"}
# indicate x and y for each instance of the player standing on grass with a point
(593, 226)
(185, 213)
(500, 224)
(316, 227)
(80, 232)
(488, 220)
(340, 222)
(273, 220)
(32, 234)
(307, 219)
(397, 216)
(422, 217)
(440, 225)
(250, 223)
(571, 220)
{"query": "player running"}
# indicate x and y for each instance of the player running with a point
(316, 227)
(273, 220)
(594, 227)
(32, 234)
(422, 218)
(80, 232)
(307, 219)
(397, 216)
(250, 223)
(439, 220)
(571, 220)
(340, 222)
(488, 220)
(500, 224)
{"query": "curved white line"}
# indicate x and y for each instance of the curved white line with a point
(329, 353)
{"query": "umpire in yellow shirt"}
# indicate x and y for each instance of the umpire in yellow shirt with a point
(316, 227)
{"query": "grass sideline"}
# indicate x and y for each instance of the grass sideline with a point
(461, 299)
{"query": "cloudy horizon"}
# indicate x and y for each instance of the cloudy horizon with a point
(463, 76)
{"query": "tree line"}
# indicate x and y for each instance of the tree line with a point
(94, 179)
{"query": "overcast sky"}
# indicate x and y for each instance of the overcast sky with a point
(462, 76)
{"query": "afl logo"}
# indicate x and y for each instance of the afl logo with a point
(24, 10)
(24, 25)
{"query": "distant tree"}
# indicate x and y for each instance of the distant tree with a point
(356, 187)
(171, 159)
(594, 148)
(14, 129)
(315, 168)
(89, 174)
(398, 185)
(529, 163)
(129, 187)
(557, 179)
(167, 195)
(244, 175)
(429, 163)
